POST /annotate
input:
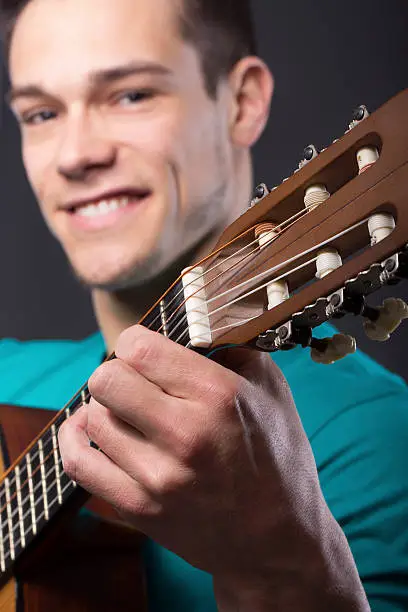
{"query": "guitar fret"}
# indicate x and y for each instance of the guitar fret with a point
(56, 463)
(2, 556)
(163, 318)
(31, 493)
(43, 479)
(84, 397)
(9, 518)
(20, 507)
(67, 415)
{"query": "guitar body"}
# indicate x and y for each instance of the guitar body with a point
(85, 563)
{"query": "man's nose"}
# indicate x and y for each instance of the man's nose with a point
(84, 150)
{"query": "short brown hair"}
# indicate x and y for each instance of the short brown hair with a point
(221, 30)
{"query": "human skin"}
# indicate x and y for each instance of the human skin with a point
(218, 469)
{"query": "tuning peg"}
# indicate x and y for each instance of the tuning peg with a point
(385, 320)
(261, 191)
(359, 114)
(309, 153)
(329, 350)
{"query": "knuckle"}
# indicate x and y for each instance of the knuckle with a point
(102, 380)
(189, 444)
(130, 509)
(96, 426)
(134, 347)
(221, 394)
(165, 482)
(157, 483)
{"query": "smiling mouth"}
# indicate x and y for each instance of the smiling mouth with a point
(105, 206)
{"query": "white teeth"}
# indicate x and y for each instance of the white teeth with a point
(103, 207)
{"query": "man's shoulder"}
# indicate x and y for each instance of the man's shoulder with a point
(46, 373)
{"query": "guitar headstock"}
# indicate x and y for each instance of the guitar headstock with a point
(314, 247)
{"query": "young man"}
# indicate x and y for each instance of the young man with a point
(137, 119)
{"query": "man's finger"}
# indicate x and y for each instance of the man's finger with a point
(96, 473)
(147, 463)
(131, 397)
(177, 370)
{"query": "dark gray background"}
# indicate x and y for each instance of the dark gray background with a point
(327, 58)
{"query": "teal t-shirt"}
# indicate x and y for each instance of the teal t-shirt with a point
(355, 414)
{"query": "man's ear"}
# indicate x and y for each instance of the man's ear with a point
(251, 86)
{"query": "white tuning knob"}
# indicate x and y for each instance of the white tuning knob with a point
(333, 349)
(390, 315)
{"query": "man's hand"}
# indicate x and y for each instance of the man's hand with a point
(212, 462)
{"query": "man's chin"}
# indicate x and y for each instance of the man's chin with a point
(131, 277)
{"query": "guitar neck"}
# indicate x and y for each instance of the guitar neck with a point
(36, 489)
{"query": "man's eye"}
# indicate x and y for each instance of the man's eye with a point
(37, 117)
(132, 97)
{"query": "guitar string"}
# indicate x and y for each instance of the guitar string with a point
(45, 441)
(226, 305)
(242, 297)
(279, 228)
(290, 221)
(251, 256)
(39, 485)
(271, 271)
(26, 482)
(31, 527)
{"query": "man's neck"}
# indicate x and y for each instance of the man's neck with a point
(115, 311)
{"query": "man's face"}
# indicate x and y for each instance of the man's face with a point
(129, 158)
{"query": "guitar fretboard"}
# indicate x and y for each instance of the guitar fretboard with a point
(37, 488)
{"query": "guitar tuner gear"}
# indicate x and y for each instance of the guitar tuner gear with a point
(261, 191)
(359, 114)
(309, 153)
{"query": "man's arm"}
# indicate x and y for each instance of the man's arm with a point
(328, 581)
(211, 461)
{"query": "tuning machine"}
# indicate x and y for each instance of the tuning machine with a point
(329, 350)
(381, 322)
(276, 339)
(309, 153)
(359, 114)
(261, 191)
(325, 351)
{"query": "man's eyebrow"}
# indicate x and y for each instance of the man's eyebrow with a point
(116, 73)
(27, 91)
(98, 77)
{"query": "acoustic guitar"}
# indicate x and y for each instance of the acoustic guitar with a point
(305, 252)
